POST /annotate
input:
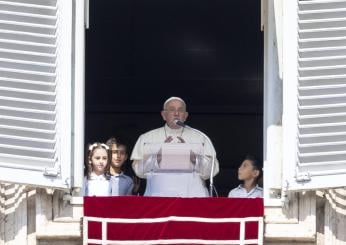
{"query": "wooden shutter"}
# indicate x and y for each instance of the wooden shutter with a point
(321, 95)
(35, 92)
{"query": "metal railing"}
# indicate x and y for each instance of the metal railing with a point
(104, 230)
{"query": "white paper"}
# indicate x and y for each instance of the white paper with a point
(175, 157)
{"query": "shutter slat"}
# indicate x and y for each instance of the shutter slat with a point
(28, 122)
(323, 119)
(25, 132)
(33, 8)
(334, 168)
(38, 17)
(29, 75)
(27, 141)
(30, 114)
(320, 106)
(26, 85)
(322, 71)
(312, 158)
(27, 151)
(329, 138)
(321, 109)
(322, 100)
(325, 23)
(320, 14)
(5, 92)
(34, 163)
(322, 33)
(322, 52)
(321, 4)
(28, 46)
(322, 42)
(30, 54)
(322, 138)
(24, 56)
(27, 65)
(324, 148)
(325, 80)
(323, 61)
(42, 3)
(27, 104)
(319, 90)
(27, 36)
(27, 18)
(28, 28)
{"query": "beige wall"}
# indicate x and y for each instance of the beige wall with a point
(37, 216)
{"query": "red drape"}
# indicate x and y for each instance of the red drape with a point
(171, 210)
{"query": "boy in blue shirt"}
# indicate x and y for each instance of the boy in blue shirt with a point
(121, 184)
(248, 172)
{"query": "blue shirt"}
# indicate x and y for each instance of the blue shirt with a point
(121, 185)
(240, 191)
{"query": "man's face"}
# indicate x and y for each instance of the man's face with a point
(119, 155)
(174, 110)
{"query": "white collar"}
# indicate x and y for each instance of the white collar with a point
(119, 175)
(93, 176)
(173, 131)
(242, 187)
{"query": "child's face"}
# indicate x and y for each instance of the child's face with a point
(246, 171)
(99, 161)
(119, 155)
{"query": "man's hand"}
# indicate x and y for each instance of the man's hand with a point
(168, 139)
(193, 157)
(159, 157)
(136, 184)
(181, 140)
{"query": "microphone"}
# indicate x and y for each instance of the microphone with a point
(179, 123)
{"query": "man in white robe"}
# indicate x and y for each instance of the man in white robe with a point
(174, 183)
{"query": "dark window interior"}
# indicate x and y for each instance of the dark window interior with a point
(209, 52)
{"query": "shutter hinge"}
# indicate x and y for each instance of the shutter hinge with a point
(303, 177)
(52, 172)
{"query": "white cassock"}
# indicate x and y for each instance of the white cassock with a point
(174, 184)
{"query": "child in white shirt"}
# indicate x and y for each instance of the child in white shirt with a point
(249, 172)
(96, 181)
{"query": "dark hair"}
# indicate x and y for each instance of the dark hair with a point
(255, 165)
(115, 141)
(90, 151)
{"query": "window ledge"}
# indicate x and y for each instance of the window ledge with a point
(60, 231)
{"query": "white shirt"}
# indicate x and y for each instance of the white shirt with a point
(240, 191)
(169, 183)
(97, 185)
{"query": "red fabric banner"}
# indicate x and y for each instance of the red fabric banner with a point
(165, 218)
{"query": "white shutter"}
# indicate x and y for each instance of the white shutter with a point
(35, 92)
(321, 95)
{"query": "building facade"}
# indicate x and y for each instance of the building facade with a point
(42, 121)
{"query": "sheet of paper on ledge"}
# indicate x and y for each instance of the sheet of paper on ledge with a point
(175, 156)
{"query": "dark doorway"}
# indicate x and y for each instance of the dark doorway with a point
(209, 52)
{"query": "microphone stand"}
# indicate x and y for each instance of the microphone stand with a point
(211, 179)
